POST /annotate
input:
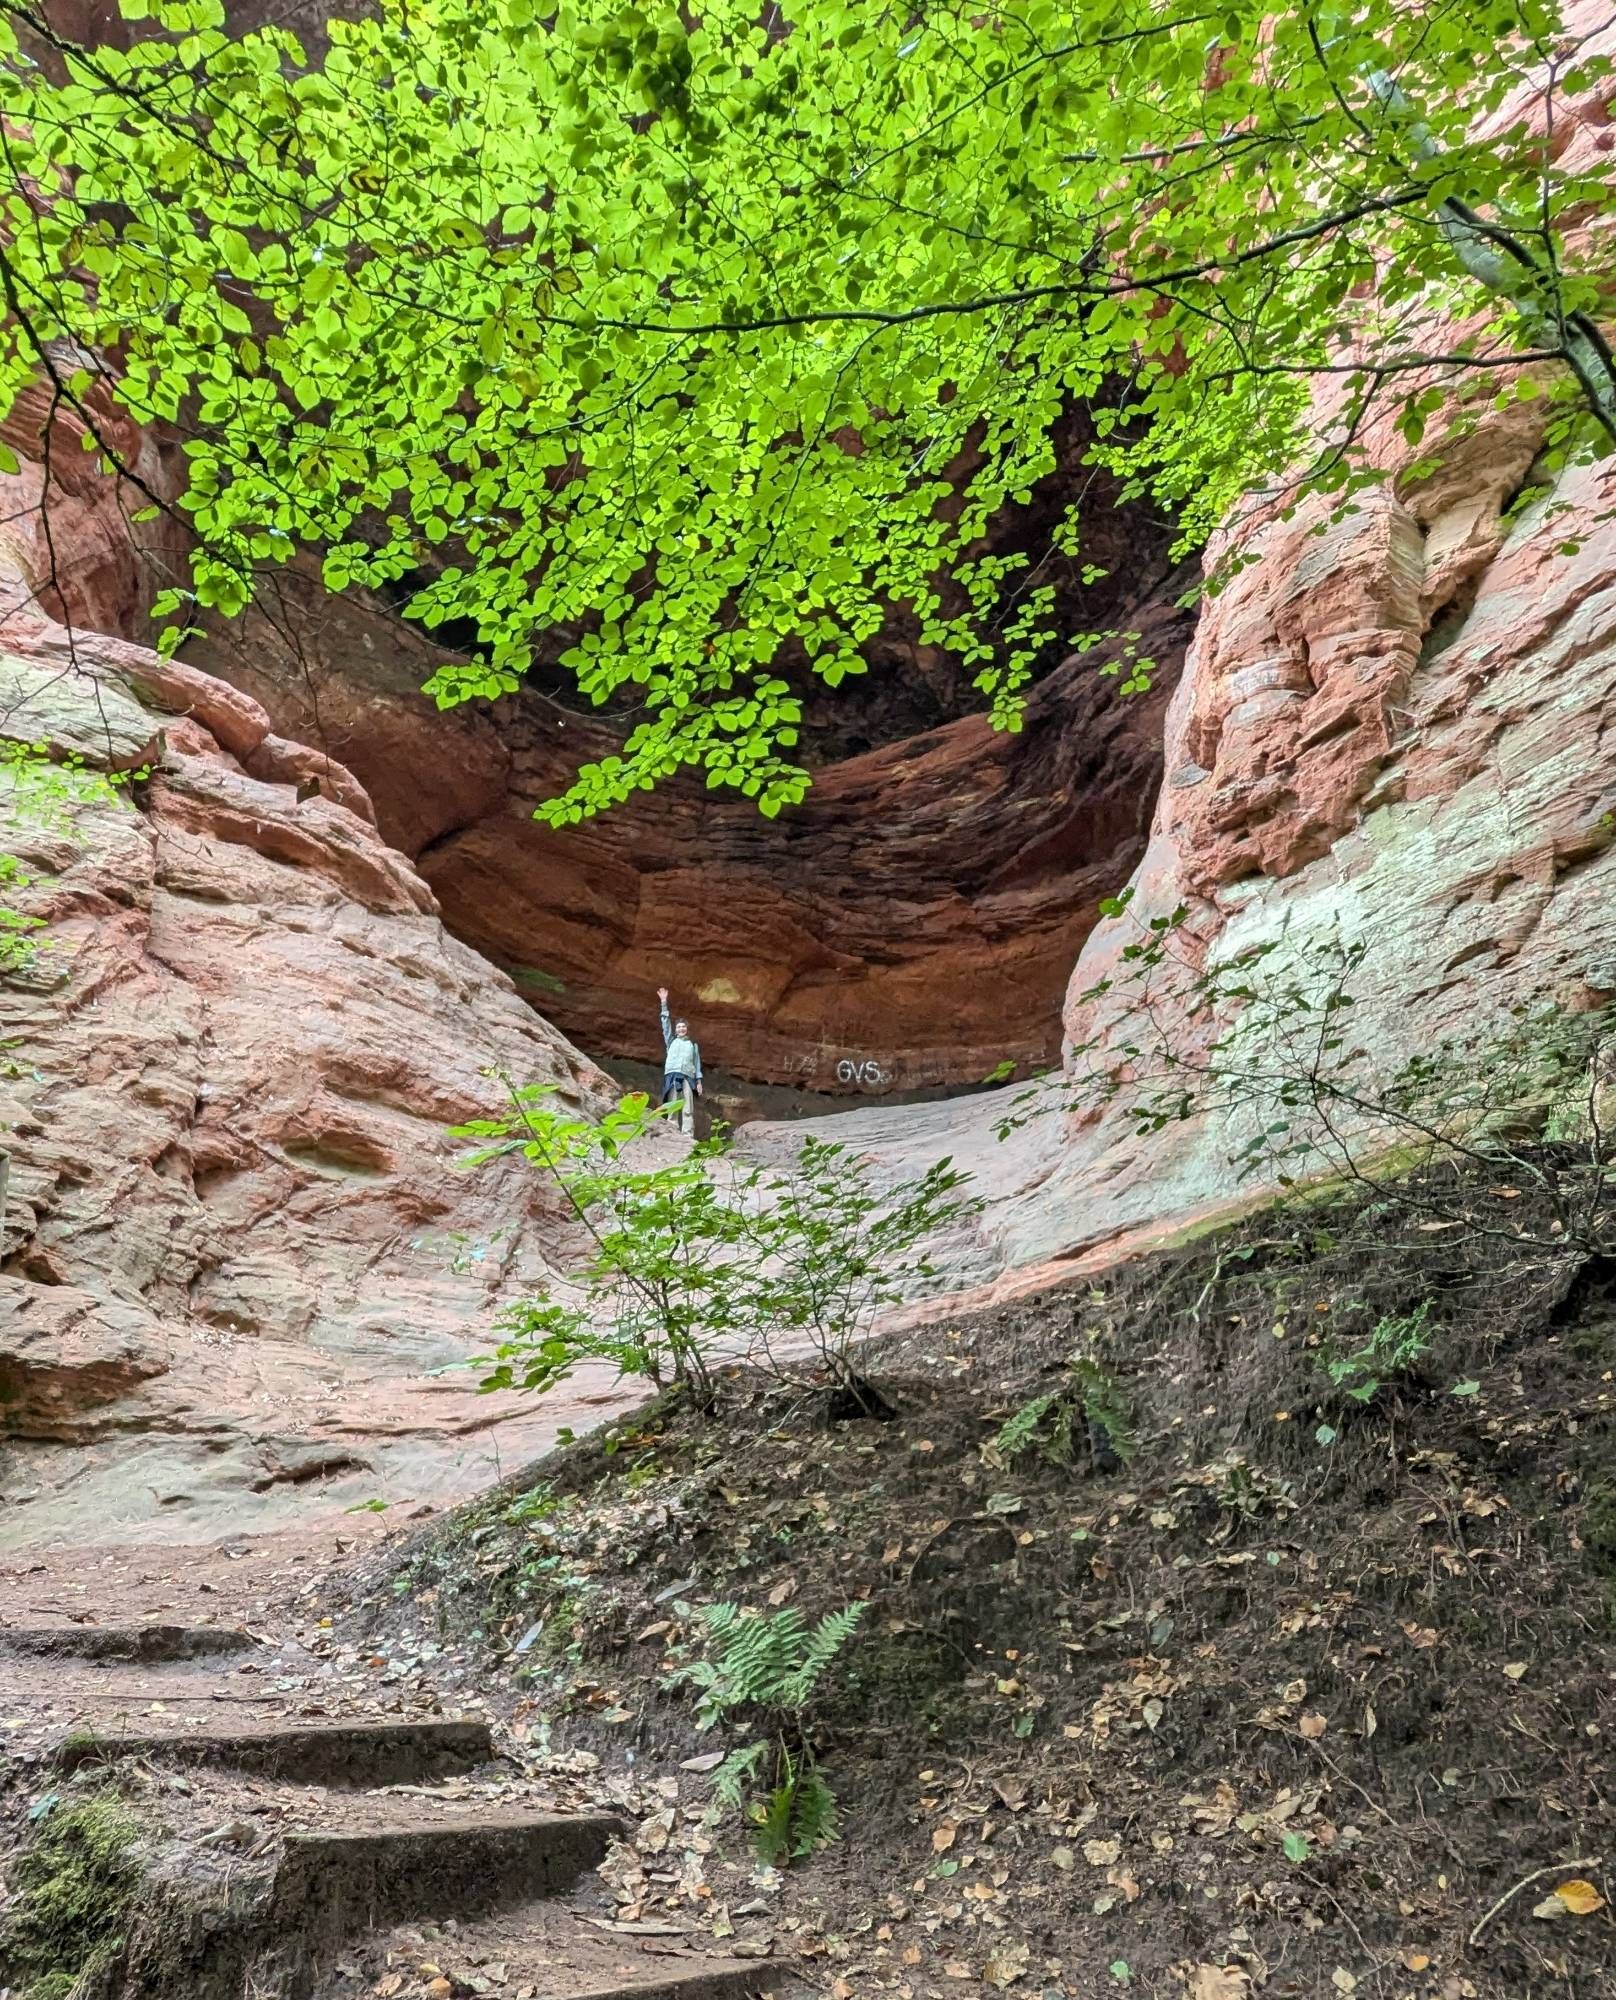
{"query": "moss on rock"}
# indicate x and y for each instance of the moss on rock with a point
(72, 1892)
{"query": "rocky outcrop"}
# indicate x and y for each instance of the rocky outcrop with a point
(226, 1250)
(237, 1243)
(1443, 793)
(1395, 730)
(910, 926)
(70, 549)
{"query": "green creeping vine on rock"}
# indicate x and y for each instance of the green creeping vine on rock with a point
(670, 350)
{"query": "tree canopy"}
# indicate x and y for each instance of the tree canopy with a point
(666, 346)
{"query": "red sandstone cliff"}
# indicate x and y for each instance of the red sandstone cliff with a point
(1398, 727)
(236, 1241)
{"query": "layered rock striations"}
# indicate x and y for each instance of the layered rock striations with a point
(910, 926)
(225, 1267)
(1395, 734)
(236, 1240)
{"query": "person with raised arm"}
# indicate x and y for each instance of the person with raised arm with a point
(682, 1062)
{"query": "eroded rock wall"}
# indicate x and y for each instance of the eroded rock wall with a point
(912, 925)
(1396, 731)
(236, 1242)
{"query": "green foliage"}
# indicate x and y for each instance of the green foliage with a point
(774, 1660)
(662, 1292)
(770, 1665)
(1264, 1043)
(834, 1248)
(539, 1503)
(1247, 1493)
(700, 1259)
(663, 348)
(37, 794)
(1049, 1423)
(1043, 1421)
(71, 1894)
(1395, 1343)
(1105, 1407)
(799, 1817)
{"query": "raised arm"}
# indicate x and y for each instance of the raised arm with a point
(667, 1021)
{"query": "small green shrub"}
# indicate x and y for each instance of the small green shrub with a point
(71, 1895)
(1048, 1424)
(538, 1503)
(1397, 1342)
(771, 1664)
(53, 1986)
(701, 1260)
(1246, 1492)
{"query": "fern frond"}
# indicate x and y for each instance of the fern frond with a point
(1105, 1406)
(729, 1780)
(815, 1817)
(772, 1821)
(819, 1651)
(1018, 1432)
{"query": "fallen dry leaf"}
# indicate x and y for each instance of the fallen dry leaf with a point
(1515, 1670)
(943, 1838)
(1119, 1878)
(1218, 1982)
(1572, 1899)
(1101, 1853)
(1313, 1726)
(1006, 1967)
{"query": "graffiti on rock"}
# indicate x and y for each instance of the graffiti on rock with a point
(867, 1075)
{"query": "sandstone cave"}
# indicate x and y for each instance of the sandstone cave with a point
(1052, 575)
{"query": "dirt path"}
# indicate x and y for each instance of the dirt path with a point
(296, 1821)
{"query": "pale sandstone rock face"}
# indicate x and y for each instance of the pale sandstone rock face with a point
(1396, 730)
(236, 1239)
(1372, 742)
(228, 1125)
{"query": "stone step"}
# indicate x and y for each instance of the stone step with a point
(149, 1645)
(551, 1952)
(339, 1754)
(393, 1861)
(733, 1979)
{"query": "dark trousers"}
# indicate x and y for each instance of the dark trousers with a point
(673, 1086)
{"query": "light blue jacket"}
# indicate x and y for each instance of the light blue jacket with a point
(683, 1057)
